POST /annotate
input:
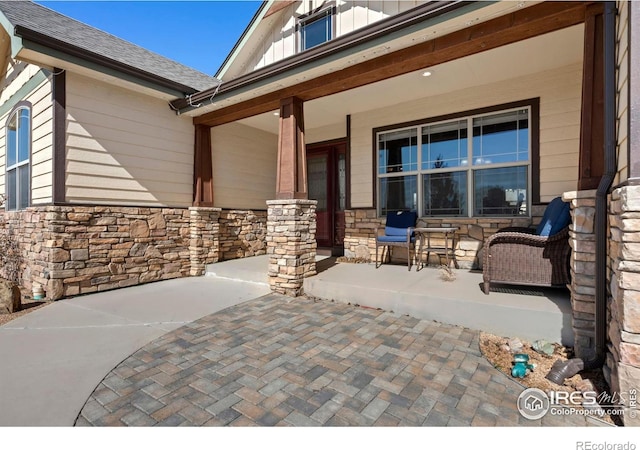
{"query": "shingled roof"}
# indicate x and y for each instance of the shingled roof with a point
(33, 21)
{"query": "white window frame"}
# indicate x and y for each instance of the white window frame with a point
(469, 167)
(14, 191)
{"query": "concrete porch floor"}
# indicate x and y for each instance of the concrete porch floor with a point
(515, 311)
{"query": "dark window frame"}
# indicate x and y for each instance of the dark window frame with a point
(312, 17)
(534, 159)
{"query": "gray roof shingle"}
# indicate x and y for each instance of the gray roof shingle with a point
(54, 25)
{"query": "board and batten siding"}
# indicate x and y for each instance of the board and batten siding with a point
(282, 42)
(622, 89)
(560, 94)
(244, 166)
(125, 148)
(18, 75)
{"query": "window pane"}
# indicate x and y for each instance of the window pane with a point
(11, 189)
(11, 141)
(317, 176)
(398, 151)
(444, 145)
(316, 32)
(398, 194)
(501, 138)
(24, 140)
(501, 192)
(445, 194)
(23, 194)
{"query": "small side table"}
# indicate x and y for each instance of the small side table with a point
(449, 243)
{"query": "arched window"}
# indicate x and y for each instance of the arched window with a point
(18, 155)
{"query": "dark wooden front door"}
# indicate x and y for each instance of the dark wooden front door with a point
(326, 172)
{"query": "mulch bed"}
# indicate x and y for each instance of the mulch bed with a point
(496, 350)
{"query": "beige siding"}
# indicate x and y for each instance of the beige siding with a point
(244, 166)
(281, 42)
(327, 133)
(18, 74)
(560, 102)
(622, 75)
(125, 148)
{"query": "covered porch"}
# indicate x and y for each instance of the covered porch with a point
(329, 145)
(510, 311)
(355, 133)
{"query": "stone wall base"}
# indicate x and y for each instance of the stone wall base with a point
(359, 241)
(73, 250)
(623, 360)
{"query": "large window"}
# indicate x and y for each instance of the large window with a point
(18, 151)
(473, 166)
(316, 29)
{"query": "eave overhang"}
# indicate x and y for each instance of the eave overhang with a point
(34, 41)
(358, 40)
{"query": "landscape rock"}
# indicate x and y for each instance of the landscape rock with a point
(10, 297)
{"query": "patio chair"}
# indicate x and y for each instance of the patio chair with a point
(398, 232)
(531, 256)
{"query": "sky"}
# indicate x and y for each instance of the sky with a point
(198, 34)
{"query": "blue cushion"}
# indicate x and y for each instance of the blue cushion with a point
(396, 238)
(555, 218)
(398, 222)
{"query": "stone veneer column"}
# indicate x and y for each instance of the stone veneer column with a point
(204, 245)
(583, 270)
(291, 244)
(623, 359)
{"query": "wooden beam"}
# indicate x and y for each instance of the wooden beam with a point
(278, 6)
(591, 160)
(202, 168)
(514, 27)
(291, 181)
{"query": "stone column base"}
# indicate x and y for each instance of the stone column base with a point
(204, 245)
(291, 244)
(583, 270)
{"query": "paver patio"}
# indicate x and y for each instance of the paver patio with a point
(305, 362)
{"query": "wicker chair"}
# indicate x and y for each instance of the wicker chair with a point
(527, 256)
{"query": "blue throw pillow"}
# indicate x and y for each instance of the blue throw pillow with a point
(555, 218)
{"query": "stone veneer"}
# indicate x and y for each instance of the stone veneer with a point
(242, 233)
(623, 359)
(29, 229)
(74, 250)
(583, 270)
(359, 241)
(204, 242)
(291, 244)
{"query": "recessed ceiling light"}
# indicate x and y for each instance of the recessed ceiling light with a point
(276, 113)
(426, 74)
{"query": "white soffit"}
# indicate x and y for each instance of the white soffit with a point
(488, 12)
(539, 54)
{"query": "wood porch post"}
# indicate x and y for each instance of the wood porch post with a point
(202, 168)
(591, 163)
(291, 181)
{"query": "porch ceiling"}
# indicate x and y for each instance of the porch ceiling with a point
(545, 52)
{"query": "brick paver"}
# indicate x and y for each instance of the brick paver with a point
(277, 361)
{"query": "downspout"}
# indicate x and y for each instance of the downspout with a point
(565, 369)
